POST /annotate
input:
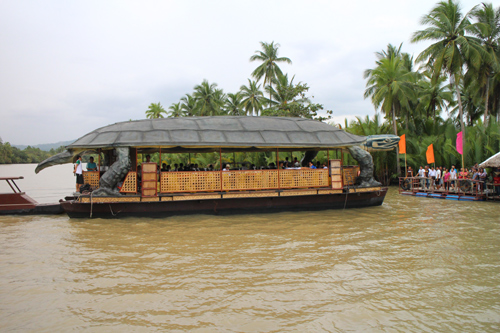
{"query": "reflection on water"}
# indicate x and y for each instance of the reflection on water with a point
(413, 264)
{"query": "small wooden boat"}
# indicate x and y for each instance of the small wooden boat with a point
(19, 202)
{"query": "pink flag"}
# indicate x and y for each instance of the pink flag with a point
(460, 147)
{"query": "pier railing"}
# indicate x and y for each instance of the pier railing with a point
(455, 186)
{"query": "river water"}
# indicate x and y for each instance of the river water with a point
(411, 265)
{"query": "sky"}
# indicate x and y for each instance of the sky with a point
(68, 67)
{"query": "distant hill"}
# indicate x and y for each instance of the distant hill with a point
(46, 146)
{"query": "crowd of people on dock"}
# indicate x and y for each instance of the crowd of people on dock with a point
(442, 178)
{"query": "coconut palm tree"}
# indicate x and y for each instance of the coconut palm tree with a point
(452, 47)
(234, 105)
(487, 29)
(155, 110)
(269, 69)
(175, 110)
(434, 96)
(209, 99)
(253, 98)
(188, 105)
(390, 87)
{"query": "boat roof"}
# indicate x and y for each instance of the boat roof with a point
(219, 131)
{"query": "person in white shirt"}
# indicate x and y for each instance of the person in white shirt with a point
(78, 171)
(438, 178)
(421, 174)
(453, 177)
(432, 176)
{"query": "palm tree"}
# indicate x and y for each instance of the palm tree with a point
(434, 96)
(188, 105)
(252, 98)
(390, 87)
(176, 110)
(452, 48)
(155, 110)
(209, 99)
(234, 105)
(269, 69)
(488, 30)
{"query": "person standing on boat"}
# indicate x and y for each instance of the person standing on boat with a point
(78, 172)
(91, 166)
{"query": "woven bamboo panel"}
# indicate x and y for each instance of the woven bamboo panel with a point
(329, 191)
(109, 199)
(249, 180)
(148, 177)
(366, 189)
(148, 192)
(350, 174)
(147, 199)
(92, 178)
(204, 181)
(250, 195)
(149, 167)
(130, 183)
(296, 193)
(336, 174)
(167, 199)
(303, 178)
(197, 197)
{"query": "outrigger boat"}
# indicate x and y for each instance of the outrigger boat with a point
(19, 203)
(149, 192)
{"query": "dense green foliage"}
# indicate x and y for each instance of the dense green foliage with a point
(457, 76)
(9, 154)
(277, 95)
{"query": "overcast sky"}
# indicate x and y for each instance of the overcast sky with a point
(69, 67)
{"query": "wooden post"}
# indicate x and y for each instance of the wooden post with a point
(220, 167)
(278, 160)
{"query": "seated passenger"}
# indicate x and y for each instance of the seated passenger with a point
(164, 167)
(91, 166)
(210, 167)
(311, 165)
(226, 167)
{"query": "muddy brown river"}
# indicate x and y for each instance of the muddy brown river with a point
(411, 265)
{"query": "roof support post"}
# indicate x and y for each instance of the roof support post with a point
(220, 167)
(278, 164)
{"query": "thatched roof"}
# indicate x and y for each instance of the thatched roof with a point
(492, 162)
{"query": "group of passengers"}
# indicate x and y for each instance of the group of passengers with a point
(227, 167)
(449, 179)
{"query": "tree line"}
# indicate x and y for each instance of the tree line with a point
(269, 92)
(13, 155)
(458, 75)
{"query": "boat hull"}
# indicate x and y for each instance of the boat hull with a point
(252, 205)
(22, 204)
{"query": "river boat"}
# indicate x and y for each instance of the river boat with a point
(131, 188)
(18, 202)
